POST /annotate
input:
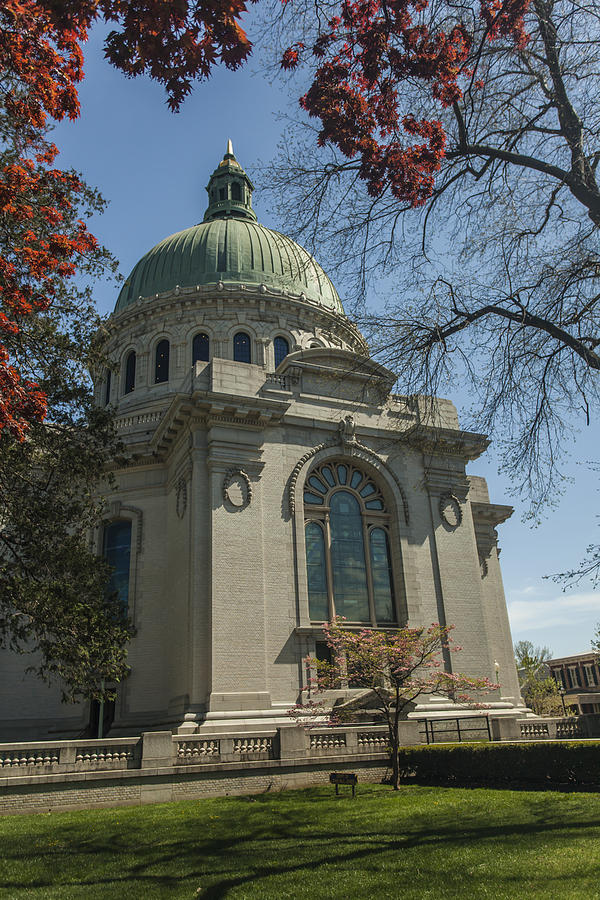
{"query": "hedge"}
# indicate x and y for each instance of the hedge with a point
(539, 763)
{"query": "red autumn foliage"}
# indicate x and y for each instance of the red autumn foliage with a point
(365, 53)
(41, 65)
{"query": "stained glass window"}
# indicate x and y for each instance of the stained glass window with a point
(117, 553)
(347, 546)
(316, 572)
(381, 573)
(348, 558)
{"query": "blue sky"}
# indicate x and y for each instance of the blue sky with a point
(152, 167)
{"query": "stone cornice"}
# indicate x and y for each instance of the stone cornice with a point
(430, 439)
(490, 513)
(211, 408)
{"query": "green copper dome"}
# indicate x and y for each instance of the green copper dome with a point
(229, 246)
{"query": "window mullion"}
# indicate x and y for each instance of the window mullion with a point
(329, 568)
(367, 546)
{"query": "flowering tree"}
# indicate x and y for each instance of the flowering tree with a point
(395, 666)
(43, 239)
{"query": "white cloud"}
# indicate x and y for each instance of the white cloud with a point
(551, 612)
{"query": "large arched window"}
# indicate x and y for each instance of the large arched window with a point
(117, 553)
(282, 348)
(200, 348)
(241, 348)
(348, 563)
(161, 363)
(130, 372)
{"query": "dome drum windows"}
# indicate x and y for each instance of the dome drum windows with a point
(242, 348)
(161, 362)
(200, 348)
(348, 561)
(281, 349)
(130, 366)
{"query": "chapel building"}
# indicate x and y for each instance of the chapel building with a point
(272, 481)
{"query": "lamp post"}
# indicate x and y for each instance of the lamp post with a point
(562, 693)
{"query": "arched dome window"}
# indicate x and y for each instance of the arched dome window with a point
(236, 191)
(117, 553)
(130, 372)
(348, 562)
(200, 348)
(107, 386)
(241, 348)
(282, 348)
(161, 364)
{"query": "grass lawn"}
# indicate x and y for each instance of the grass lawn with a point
(419, 842)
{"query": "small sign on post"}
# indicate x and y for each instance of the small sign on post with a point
(338, 778)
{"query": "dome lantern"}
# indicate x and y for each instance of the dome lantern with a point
(229, 190)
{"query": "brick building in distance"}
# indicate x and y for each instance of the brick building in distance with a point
(579, 677)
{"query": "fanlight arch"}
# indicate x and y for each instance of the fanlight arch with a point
(348, 560)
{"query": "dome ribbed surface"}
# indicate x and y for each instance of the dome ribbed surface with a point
(229, 250)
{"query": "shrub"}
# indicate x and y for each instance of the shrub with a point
(545, 763)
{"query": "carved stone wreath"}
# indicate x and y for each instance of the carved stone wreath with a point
(237, 489)
(450, 511)
(181, 498)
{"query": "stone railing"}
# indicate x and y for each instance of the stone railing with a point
(69, 756)
(162, 749)
(554, 729)
(281, 382)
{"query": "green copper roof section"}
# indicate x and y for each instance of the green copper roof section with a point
(229, 246)
(229, 250)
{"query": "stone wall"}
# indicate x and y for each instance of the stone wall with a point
(159, 767)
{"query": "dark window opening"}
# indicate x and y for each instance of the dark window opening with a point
(222, 193)
(161, 368)
(241, 348)
(130, 373)
(108, 716)
(282, 348)
(323, 652)
(107, 383)
(200, 348)
(236, 191)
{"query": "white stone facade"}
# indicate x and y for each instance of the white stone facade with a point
(217, 459)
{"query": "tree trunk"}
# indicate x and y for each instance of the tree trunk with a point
(395, 767)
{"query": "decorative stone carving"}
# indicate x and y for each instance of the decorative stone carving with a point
(181, 498)
(347, 431)
(237, 490)
(355, 449)
(450, 511)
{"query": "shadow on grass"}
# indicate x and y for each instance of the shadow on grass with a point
(283, 830)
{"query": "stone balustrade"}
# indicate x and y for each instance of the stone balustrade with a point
(551, 729)
(162, 749)
(47, 757)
